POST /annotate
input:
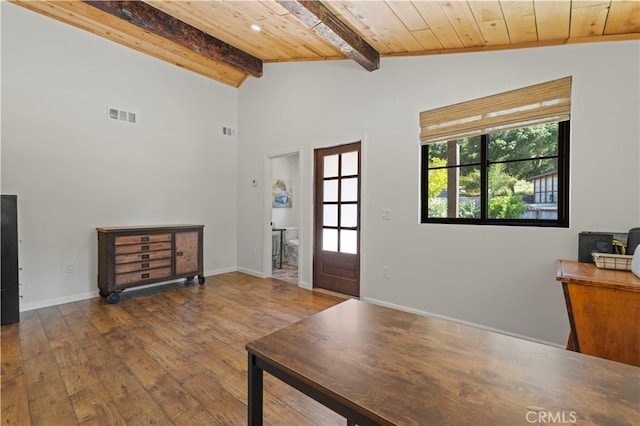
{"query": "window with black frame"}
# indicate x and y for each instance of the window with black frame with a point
(503, 159)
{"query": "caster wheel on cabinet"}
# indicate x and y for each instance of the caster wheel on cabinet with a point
(189, 279)
(103, 293)
(201, 279)
(113, 298)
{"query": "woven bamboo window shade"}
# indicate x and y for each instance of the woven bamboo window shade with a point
(538, 104)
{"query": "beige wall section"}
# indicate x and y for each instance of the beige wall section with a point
(74, 169)
(497, 277)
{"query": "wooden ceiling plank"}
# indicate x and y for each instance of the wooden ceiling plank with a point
(161, 48)
(415, 24)
(81, 16)
(439, 23)
(624, 17)
(527, 45)
(407, 13)
(588, 18)
(354, 20)
(520, 17)
(490, 20)
(552, 19)
(391, 22)
(204, 15)
(282, 36)
(463, 21)
(317, 17)
(293, 35)
(164, 25)
(378, 23)
(427, 39)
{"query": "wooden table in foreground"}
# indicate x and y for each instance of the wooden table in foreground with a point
(375, 365)
(604, 311)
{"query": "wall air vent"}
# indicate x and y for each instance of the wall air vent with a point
(121, 115)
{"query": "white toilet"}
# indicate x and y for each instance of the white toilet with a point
(291, 247)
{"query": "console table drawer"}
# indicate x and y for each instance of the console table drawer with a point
(138, 257)
(149, 238)
(142, 266)
(135, 248)
(142, 275)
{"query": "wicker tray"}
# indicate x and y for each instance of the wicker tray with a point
(612, 261)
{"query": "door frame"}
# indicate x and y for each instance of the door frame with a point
(362, 138)
(300, 197)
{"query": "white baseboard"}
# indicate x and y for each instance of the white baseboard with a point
(251, 272)
(89, 295)
(306, 286)
(57, 301)
(220, 271)
(458, 321)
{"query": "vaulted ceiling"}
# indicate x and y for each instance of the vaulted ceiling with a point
(216, 39)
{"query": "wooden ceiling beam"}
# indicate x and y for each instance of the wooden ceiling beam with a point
(328, 26)
(161, 24)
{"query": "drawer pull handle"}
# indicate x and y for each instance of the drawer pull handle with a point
(145, 265)
(145, 248)
(179, 253)
(145, 275)
(144, 239)
(145, 256)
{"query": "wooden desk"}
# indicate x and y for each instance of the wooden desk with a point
(604, 310)
(376, 365)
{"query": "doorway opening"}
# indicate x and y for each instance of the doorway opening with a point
(285, 211)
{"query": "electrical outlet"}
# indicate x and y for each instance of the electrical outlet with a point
(385, 214)
(385, 271)
(70, 268)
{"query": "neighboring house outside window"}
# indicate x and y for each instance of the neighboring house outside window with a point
(545, 187)
(545, 197)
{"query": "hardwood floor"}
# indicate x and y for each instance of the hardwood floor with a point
(171, 354)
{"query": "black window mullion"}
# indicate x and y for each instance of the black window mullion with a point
(484, 178)
(425, 184)
(563, 173)
(339, 198)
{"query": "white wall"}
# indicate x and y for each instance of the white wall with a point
(496, 277)
(73, 169)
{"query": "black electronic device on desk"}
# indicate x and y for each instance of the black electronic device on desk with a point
(607, 242)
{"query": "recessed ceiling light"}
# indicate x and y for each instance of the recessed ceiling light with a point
(255, 27)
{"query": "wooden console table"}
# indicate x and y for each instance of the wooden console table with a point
(375, 365)
(604, 310)
(131, 256)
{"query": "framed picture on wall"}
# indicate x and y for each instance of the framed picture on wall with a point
(282, 194)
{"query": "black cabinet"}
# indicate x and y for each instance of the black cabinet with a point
(9, 236)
